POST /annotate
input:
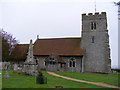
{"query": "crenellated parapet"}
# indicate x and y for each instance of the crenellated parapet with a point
(96, 15)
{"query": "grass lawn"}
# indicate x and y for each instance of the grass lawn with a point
(0, 79)
(111, 79)
(22, 81)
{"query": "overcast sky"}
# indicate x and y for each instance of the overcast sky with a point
(26, 19)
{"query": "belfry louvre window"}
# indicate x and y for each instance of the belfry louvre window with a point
(93, 25)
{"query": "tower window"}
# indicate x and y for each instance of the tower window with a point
(93, 25)
(93, 39)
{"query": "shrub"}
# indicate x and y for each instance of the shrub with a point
(118, 70)
(40, 78)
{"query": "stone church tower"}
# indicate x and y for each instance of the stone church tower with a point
(95, 42)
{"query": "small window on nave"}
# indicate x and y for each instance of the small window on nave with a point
(51, 60)
(72, 62)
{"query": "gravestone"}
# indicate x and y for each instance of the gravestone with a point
(58, 87)
(15, 68)
(5, 65)
(0, 65)
(0, 74)
(6, 75)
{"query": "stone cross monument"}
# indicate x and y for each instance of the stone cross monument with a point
(30, 65)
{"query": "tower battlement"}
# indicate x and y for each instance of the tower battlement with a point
(96, 15)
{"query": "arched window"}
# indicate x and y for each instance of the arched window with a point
(93, 39)
(72, 62)
(93, 25)
(52, 60)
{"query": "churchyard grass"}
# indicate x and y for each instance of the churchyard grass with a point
(0, 79)
(23, 81)
(111, 79)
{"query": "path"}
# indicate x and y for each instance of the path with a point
(95, 83)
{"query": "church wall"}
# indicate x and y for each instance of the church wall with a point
(41, 64)
(41, 61)
(78, 64)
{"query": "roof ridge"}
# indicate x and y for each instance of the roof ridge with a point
(22, 44)
(60, 38)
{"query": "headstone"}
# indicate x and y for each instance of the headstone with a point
(0, 74)
(6, 65)
(15, 68)
(58, 87)
(6, 75)
(0, 65)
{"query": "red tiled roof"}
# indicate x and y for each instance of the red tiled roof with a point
(20, 52)
(58, 46)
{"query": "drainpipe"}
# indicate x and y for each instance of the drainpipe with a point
(82, 63)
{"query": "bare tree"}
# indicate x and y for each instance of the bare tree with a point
(8, 43)
(118, 4)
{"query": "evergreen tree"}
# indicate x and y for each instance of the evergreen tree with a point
(40, 78)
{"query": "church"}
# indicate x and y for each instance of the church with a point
(88, 53)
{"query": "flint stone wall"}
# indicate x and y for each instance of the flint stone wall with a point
(41, 64)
